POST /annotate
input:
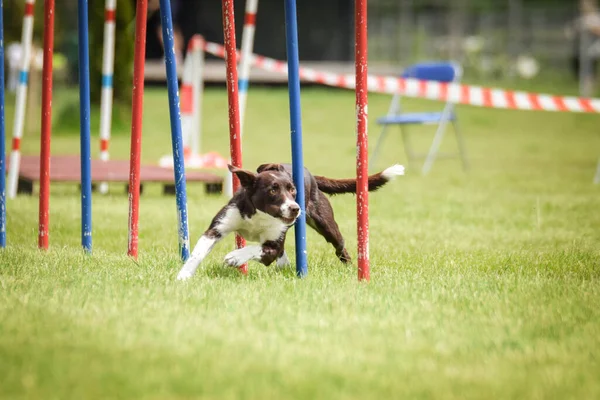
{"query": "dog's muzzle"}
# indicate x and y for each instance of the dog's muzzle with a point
(290, 211)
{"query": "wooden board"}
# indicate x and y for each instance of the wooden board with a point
(67, 169)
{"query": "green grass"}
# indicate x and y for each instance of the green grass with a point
(484, 285)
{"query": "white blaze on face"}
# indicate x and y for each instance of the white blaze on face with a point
(286, 209)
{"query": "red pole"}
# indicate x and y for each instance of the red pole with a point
(44, 207)
(136, 125)
(362, 166)
(235, 143)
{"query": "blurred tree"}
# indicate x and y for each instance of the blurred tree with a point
(13, 22)
(588, 34)
(67, 117)
(472, 4)
(456, 23)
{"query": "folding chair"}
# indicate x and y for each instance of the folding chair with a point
(435, 71)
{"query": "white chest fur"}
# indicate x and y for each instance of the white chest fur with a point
(259, 228)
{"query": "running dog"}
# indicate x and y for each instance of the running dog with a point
(265, 207)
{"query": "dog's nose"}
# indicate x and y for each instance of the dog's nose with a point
(294, 209)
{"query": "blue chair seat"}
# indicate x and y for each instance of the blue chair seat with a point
(414, 118)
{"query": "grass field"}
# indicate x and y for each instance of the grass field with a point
(484, 285)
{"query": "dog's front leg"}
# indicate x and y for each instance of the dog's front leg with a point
(225, 222)
(205, 244)
(239, 257)
(266, 253)
(283, 260)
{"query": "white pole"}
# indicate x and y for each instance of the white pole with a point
(187, 102)
(21, 98)
(586, 82)
(189, 105)
(106, 99)
(246, 61)
(197, 91)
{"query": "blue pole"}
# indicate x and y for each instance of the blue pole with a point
(291, 34)
(2, 136)
(84, 123)
(176, 139)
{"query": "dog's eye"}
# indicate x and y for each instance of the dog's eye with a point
(273, 191)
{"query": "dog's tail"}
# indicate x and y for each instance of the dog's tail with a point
(339, 186)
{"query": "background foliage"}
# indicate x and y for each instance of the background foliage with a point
(66, 41)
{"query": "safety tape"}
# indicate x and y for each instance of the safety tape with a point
(433, 90)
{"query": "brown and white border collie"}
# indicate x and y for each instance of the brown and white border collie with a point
(264, 208)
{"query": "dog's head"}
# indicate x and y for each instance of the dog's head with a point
(271, 190)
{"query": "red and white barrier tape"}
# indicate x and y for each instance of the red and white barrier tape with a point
(454, 92)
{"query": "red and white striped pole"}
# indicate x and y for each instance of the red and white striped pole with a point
(44, 205)
(197, 45)
(190, 97)
(246, 61)
(362, 156)
(141, 12)
(235, 141)
(106, 96)
(190, 105)
(21, 99)
(186, 99)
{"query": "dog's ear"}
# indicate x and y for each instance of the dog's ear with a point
(270, 167)
(247, 178)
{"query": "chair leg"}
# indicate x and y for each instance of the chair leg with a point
(597, 177)
(435, 147)
(378, 146)
(461, 145)
(410, 156)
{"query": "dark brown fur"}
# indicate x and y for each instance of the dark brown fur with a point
(319, 213)
(340, 186)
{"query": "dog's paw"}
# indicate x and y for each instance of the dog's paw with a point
(184, 275)
(393, 171)
(282, 261)
(235, 259)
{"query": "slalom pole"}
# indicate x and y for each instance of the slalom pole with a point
(176, 139)
(44, 203)
(235, 142)
(136, 126)
(106, 95)
(187, 101)
(362, 156)
(21, 100)
(2, 136)
(197, 47)
(291, 30)
(84, 121)
(246, 61)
